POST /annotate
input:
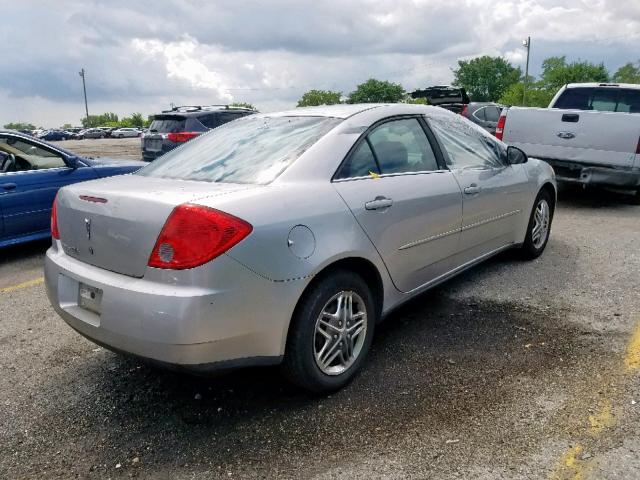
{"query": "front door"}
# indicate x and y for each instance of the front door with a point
(408, 205)
(494, 193)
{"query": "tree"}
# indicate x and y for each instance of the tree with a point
(100, 120)
(20, 126)
(556, 72)
(319, 97)
(537, 96)
(628, 73)
(243, 105)
(486, 78)
(377, 91)
(66, 126)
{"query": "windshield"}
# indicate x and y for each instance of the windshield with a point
(601, 99)
(250, 150)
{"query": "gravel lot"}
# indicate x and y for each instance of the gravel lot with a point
(513, 370)
(128, 148)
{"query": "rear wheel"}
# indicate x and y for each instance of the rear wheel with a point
(331, 333)
(539, 226)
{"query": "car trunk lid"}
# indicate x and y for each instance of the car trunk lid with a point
(114, 223)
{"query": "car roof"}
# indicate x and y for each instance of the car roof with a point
(633, 86)
(38, 141)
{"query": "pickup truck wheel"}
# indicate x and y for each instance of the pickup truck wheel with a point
(330, 334)
(539, 226)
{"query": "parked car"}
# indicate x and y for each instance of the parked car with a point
(125, 133)
(31, 172)
(485, 114)
(448, 97)
(55, 135)
(174, 127)
(590, 134)
(285, 237)
(93, 133)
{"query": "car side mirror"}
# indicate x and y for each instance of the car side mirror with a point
(515, 156)
(72, 162)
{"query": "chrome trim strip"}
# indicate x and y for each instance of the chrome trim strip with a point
(428, 239)
(489, 220)
(387, 175)
(458, 230)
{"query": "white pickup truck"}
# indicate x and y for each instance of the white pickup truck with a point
(590, 134)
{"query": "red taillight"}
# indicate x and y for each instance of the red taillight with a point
(181, 137)
(55, 233)
(465, 110)
(500, 126)
(194, 235)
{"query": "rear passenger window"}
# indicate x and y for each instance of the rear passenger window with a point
(360, 163)
(492, 114)
(209, 121)
(401, 146)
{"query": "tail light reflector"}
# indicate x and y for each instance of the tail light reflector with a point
(500, 127)
(55, 233)
(194, 235)
(181, 137)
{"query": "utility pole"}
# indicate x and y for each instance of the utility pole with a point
(527, 44)
(84, 87)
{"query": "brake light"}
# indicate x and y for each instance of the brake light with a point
(181, 137)
(194, 235)
(465, 110)
(500, 126)
(55, 233)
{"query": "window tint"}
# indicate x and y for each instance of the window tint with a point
(600, 99)
(402, 146)
(251, 150)
(209, 121)
(467, 146)
(360, 163)
(167, 124)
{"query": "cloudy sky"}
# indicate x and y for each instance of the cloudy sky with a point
(143, 55)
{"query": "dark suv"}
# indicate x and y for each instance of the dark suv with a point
(172, 128)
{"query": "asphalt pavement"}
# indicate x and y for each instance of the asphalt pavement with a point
(513, 370)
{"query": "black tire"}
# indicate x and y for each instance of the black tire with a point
(299, 364)
(529, 250)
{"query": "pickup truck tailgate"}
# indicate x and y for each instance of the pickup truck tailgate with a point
(582, 136)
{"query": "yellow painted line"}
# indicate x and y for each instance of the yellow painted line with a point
(632, 356)
(571, 467)
(19, 286)
(601, 419)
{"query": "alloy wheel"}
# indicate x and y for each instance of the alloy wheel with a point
(541, 219)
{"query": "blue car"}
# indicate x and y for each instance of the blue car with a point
(31, 172)
(55, 135)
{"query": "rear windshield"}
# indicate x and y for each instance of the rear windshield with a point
(250, 150)
(168, 124)
(600, 99)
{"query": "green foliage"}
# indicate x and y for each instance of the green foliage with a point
(106, 119)
(243, 105)
(556, 72)
(485, 78)
(20, 126)
(319, 97)
(66, 126)
(377, 91)
(536, 95)
(628, 73)
(416, 101)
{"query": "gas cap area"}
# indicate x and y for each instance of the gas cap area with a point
(301, 241)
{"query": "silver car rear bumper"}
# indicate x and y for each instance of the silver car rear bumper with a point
(171, 318)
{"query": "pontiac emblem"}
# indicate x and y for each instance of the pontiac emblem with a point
(87, 226)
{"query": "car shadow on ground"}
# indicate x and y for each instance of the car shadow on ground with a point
(593, 197)
(27, 251)
(445, 362)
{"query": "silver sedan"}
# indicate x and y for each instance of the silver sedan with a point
(284, 238)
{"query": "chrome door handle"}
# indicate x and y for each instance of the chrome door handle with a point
(8, 186)
(378, 203)
(473, 188)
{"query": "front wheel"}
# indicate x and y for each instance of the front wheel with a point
(539, 226)
(331, 333)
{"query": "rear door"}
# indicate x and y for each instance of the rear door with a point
(160, 127)
(406, 201)
(494, 193)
